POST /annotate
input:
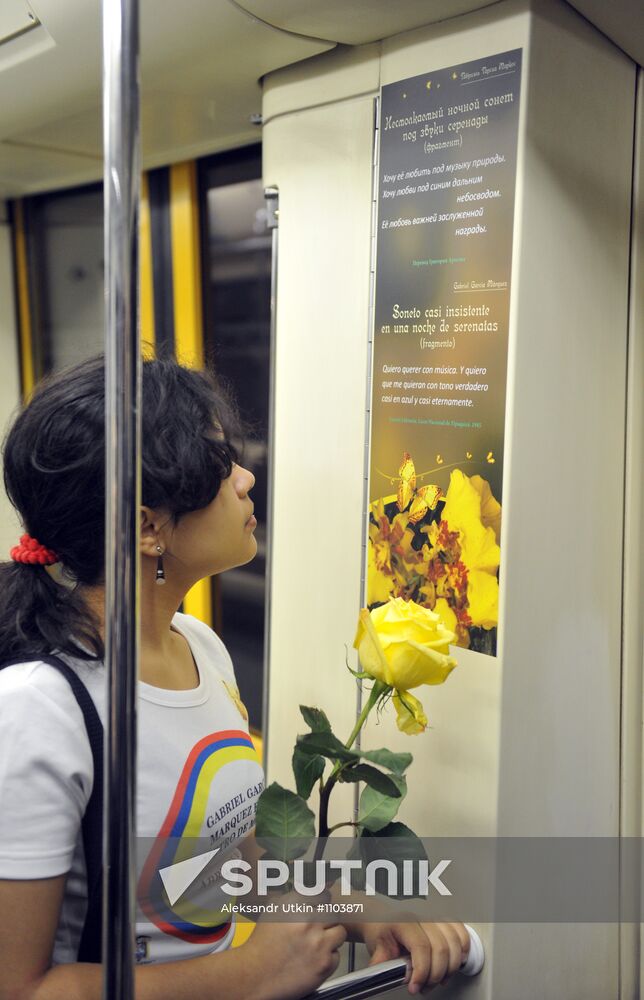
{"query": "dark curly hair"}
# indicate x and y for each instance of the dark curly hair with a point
(54, 475)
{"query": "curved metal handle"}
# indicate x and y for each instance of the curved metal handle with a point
(386, 976)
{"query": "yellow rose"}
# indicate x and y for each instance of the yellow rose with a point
(403, 645)
(411, 718)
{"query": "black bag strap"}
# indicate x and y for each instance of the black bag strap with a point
(89, 949)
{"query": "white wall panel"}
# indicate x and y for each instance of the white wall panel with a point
(321, 162)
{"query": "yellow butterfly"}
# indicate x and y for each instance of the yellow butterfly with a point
(424, 499)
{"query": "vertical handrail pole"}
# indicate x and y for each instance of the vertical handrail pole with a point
(271, 196)
(122, 415)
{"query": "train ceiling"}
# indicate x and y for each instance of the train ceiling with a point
(201, 64)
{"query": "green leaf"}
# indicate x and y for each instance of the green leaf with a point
(284, 823)
(307, 769)
(373, 777)
(315, 719)
(376, 809)
(328, 745)
(396, 762)
(394, 842)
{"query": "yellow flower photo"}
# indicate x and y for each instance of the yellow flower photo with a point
(446, 560)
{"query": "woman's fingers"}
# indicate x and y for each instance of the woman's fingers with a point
(436, 950)
(448, 947)
(336, 935)
(456, 956)
(414, 939)
(463, 937)
(441, 950)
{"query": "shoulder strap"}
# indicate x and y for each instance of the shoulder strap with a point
(89, 949)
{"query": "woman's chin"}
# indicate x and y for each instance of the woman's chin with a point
(242, 560)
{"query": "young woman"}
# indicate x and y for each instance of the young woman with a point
(197, 772)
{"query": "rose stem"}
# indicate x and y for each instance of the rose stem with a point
(325, 792)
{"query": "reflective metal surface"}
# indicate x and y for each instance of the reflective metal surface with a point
(121, 178)
(370, 982)
(272, 210)
(387, 976)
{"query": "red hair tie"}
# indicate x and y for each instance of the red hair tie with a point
(31, 551)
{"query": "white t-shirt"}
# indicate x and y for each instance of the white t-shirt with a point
(198, 776)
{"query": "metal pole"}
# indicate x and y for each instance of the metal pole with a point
(122, 414)
(272, 196)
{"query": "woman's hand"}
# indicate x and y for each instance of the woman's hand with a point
(437, 950)
(291, 960)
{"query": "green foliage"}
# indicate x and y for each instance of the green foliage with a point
(371, 776)
(307, 768)
(328, 745)
(315, 719)
(396, 762)
(310, 751)
(394, 842)
(377, 810)
(285, 825)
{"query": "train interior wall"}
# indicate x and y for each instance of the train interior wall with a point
(528, 743)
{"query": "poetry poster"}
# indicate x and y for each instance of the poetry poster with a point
(447, 172)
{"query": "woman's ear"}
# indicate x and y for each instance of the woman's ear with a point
(152, 524)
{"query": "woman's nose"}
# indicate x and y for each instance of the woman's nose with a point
(246, 481)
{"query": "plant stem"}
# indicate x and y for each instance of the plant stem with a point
(324, 800)
(374, 694)
(326, 789)
(338, 825)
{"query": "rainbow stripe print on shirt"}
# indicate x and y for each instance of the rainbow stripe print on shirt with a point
(183, 829)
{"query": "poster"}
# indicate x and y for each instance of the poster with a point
(447, 173)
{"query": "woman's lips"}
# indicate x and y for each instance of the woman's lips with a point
(251, 522)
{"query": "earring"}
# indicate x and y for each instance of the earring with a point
(160, 579)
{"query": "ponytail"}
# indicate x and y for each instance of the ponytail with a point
(39, 616)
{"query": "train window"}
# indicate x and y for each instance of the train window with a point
(65, 236)
(237, 283)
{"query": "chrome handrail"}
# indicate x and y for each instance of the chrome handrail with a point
(387, 976)
(122, 468)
